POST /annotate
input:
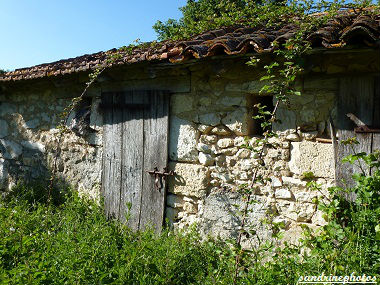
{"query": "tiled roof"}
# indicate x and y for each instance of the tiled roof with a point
(344, 29)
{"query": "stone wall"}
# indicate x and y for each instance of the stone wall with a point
(28, 141)
(210, 121)
(209, 127)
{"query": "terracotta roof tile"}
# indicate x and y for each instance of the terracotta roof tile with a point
(344, 29)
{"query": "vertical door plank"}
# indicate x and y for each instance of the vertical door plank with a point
(156, 128)
(344, 171)
(116, 146)
(132, 160)
(356, 96)
(107, 100)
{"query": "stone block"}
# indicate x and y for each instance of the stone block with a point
(180, 103)
(33, 146)
(243, 153)
(206, 159)
(208, 139)
(224, 143)
(222, 131)
(204, 148)
(283, 193)
(32, 124)
(182, 141)
(221, 216)
(210, 119)
(311, 156)
(286, 120)
(237, 121)
(7, 109)
(10, 149)
(3, 129)
(190, 179)
(232, 101)
(250, 87)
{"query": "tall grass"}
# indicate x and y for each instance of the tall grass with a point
(69, 241)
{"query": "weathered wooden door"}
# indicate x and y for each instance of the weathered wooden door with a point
(360, 96)
(135, 140)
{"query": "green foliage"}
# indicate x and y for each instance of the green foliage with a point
(72, 242)
(202, 15)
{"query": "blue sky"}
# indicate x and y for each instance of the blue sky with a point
(41, 31)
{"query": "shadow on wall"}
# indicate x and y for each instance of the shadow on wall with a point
(29, 139)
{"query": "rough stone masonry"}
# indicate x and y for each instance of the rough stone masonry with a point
(210, 122)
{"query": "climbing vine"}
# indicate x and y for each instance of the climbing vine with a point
(280, 74)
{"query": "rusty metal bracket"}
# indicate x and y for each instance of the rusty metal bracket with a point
(361, 127)
(158, 176)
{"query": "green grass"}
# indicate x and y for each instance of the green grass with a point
(69, 241)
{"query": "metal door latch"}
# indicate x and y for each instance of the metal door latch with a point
(158, 176)
(361, 127)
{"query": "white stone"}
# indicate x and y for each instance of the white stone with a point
(293, 181)
(182, 141)
(293, 137)
(7, 108)
(33, 146)
(239, 141)
(283, 193)
(318, 218)
(276, 182)
(3, 129)
(32, 124)
(312, 157)
(222, 176)
(228, 151)
(12, 149)
(246, 164)
(208, 139)
(243, 153)
(305, 196)
(237, 121)
(205, 159)
(205, 129)
(190, 208)
(220, 131)
(224, 143)
(204, 148)
(305, 212)
(190, 179)
(310, 135)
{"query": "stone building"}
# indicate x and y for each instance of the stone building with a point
(189, 105)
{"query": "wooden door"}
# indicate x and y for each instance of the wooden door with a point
(135, 140)
(359, 95)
